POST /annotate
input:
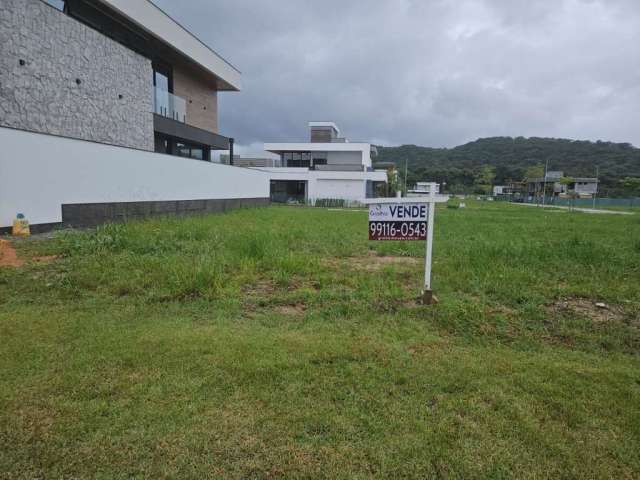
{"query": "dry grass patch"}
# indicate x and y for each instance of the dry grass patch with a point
(586, 308)
(372, 262)
(259, 288)
(293, 309)
(44, 259)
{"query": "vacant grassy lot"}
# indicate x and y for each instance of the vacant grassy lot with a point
(279, 342)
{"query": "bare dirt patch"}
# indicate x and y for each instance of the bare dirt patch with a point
(260, 287)
(9, 256)
(373, 262)
(587, 308)
(294, 309)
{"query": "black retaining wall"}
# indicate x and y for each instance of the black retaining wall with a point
(92, 214)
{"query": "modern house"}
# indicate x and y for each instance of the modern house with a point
(98, 98)
(584, 186)
(552, 185)
(511, 189)
(328, 166)
(422, 189)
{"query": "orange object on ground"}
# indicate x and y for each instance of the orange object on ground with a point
(8, 255)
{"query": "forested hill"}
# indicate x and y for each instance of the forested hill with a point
(513, 158)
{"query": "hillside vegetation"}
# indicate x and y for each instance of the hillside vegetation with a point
(511, 157)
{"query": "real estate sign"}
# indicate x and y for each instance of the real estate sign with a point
(407, 219)
(398, 221)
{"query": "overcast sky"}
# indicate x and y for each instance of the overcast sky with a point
(428, 72)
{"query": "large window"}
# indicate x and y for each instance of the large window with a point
(189, 150)
(180, 148)
(296, 159)
(288, 191)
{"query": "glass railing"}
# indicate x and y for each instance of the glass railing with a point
(341, 167)
(169, 105)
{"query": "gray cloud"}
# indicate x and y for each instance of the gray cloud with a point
(429, 72)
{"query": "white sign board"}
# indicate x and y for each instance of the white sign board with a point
(398, 221)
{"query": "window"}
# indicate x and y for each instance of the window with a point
(162, 144)
(162, 77)
(197, 153)
(188, 150)
(57, 4)
(319, 158)
(296, 159)
(161, 81)
(288, 191)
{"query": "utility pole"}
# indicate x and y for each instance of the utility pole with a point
(597, 184)
(406, 166)
(544, 182)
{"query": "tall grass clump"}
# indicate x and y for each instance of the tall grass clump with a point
(202, 278)
(109, 238)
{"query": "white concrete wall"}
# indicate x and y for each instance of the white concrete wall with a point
(345, 189)
(586, 188)
(39, 173)
(345, 158)
(327, 184)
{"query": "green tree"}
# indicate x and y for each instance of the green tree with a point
(484, 178)
(514, 158)
(631, 186)
(535, 171)
(393, 182)
(568, 182)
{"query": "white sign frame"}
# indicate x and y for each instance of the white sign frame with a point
(430, 201)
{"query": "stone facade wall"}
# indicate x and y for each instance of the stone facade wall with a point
(201, 98)
(75, 82)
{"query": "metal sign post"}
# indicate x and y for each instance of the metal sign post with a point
(427, 292)
(407, 219)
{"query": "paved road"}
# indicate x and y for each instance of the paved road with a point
(585, 210)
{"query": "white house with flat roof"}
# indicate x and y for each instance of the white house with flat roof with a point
(326, 167)
(423, 189)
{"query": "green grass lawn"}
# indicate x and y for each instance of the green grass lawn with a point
(280, 342)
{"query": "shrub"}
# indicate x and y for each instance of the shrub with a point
(453, 202)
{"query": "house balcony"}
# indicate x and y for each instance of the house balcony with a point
(169, 105)
(175, 136)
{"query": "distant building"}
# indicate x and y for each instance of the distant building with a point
(513, 188)
(328, 166)
(584, 186)
(552, 185)
(421, 189)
